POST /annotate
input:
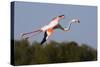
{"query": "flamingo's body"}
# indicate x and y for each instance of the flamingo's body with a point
(54, 24)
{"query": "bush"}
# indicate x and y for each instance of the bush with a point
(53, 52)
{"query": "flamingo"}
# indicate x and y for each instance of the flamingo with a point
(54, 24)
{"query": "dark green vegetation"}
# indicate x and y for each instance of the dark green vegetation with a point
(53, 52)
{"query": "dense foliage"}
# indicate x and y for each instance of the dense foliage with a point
(53, 52)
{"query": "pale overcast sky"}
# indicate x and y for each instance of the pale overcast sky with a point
(31, 16)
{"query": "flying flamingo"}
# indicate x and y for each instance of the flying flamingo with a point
(54, 24)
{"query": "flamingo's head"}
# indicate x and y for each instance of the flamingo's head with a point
(75, 21)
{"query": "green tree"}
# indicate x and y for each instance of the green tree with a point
(38, 54)
(20, 52)
(87, 53)
(53, 52)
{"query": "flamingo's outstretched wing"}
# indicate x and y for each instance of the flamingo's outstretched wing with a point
(44, 39)
(47, 35)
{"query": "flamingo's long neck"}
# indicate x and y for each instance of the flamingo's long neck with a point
(69, 26)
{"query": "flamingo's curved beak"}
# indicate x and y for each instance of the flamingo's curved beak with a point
(78, 21)
(75, 20)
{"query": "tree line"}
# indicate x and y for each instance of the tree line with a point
(52, 52)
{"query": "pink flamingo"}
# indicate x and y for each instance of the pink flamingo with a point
(54, 24)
